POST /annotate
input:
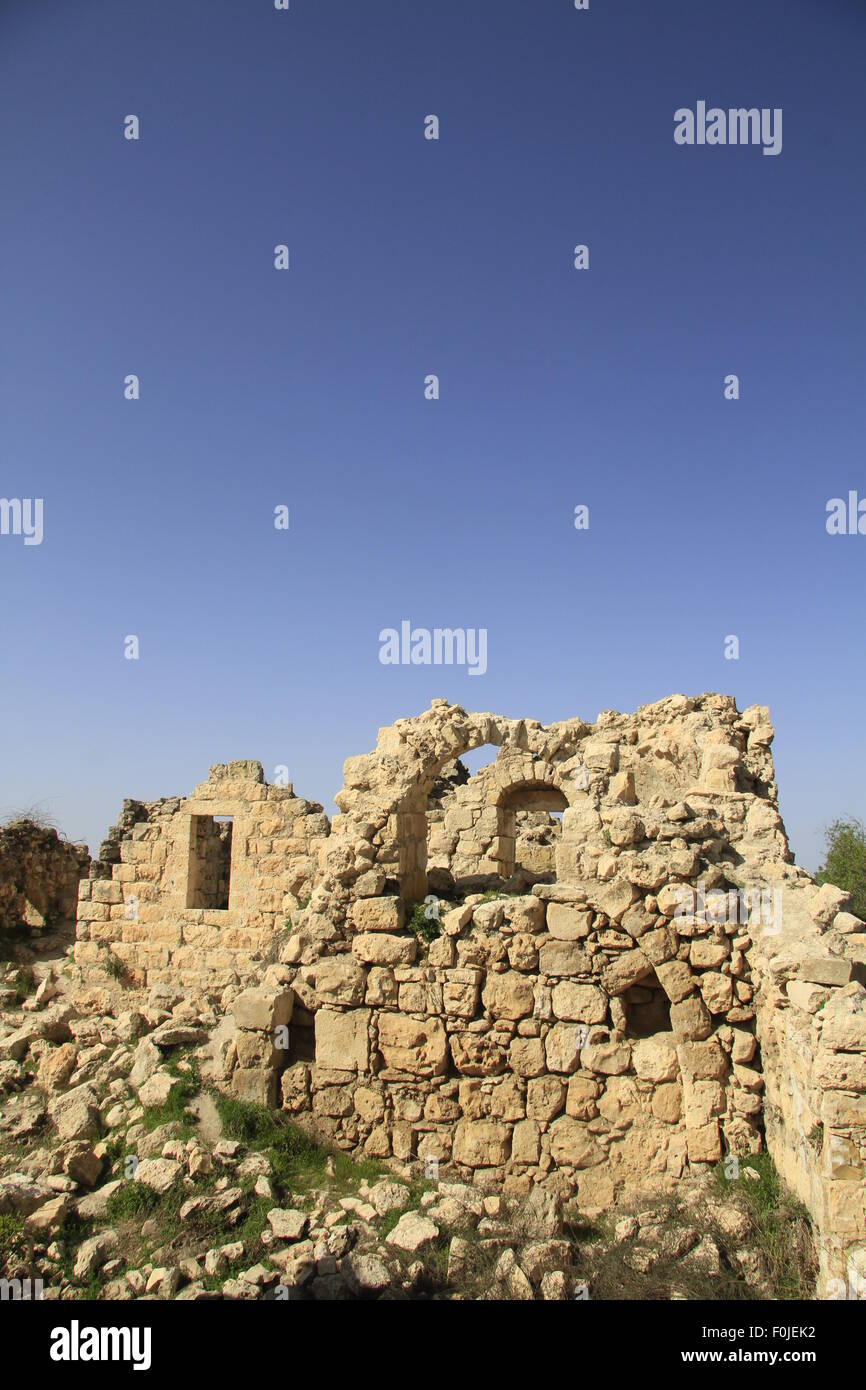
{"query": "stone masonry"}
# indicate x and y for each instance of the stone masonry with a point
(652, 988)
(179, 895)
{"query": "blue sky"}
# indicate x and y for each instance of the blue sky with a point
(306, 387)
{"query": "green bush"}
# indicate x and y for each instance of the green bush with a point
(427, 928)
(845, 863)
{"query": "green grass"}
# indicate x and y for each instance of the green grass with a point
(176, 1108)
(12, 1240)
(780, 1227)
(25, 984)
(132, 1202)
(297, 1161)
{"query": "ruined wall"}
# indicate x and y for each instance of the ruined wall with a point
(675, 992)
(182, 897)
(596, 1032)
(39, 874)
(476, 836)
(811, 1019)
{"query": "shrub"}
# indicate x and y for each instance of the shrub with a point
(845, 864)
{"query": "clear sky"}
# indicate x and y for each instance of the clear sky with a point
(305, 388)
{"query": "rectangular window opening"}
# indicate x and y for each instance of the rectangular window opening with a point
(210, 862)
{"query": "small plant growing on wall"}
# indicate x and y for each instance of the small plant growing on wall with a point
(424, 921)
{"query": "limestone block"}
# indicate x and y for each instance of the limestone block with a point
(255, 1085)
(341, 1039)
(655, 1058)
(263, 1009)
(841, 1070)
(567, 922)
(478, 1054)
(704, 1144)
(525, 1142)
(826, 903)
(615, 898)
(562, 958)
(572, 1145)
(690, 1019)
(826, 970)
(580, 1100)
(380, 948)
(716, 990)
(703, 1060)
(659, 945)
(579, 1003)
(382, 987)
(626, 970)
(545, 1096)
(508, 995)
(667, 1103)
(809, 998)
(845, 1020)
(624, 827)
(481, 1143)
(562, 1047)
(526, 1057)
(378, 914)
(508, 1099)
(340, 980)
(413, 1045)
(606, 1055)
(708, 955)
(460, 1000)
(676, 979)
(621, 789)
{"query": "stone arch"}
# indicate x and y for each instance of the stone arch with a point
(383, 800)
(516, 777)
(534, 785)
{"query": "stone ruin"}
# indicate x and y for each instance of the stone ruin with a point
(450, 976)
(39, 875)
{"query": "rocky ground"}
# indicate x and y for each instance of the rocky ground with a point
(125, 1173)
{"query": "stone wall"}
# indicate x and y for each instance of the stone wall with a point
(596, 1032)
(811, 1019)
(671, 991)
(39, 874)
(180, 896)
(477, 837)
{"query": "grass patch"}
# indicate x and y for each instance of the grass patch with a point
(781, 1230)
(12, 1239)
(477, 1264)
(297, 1161)
(779, 1233)
(24, 983)
(176, 1108)
(135, 1201)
